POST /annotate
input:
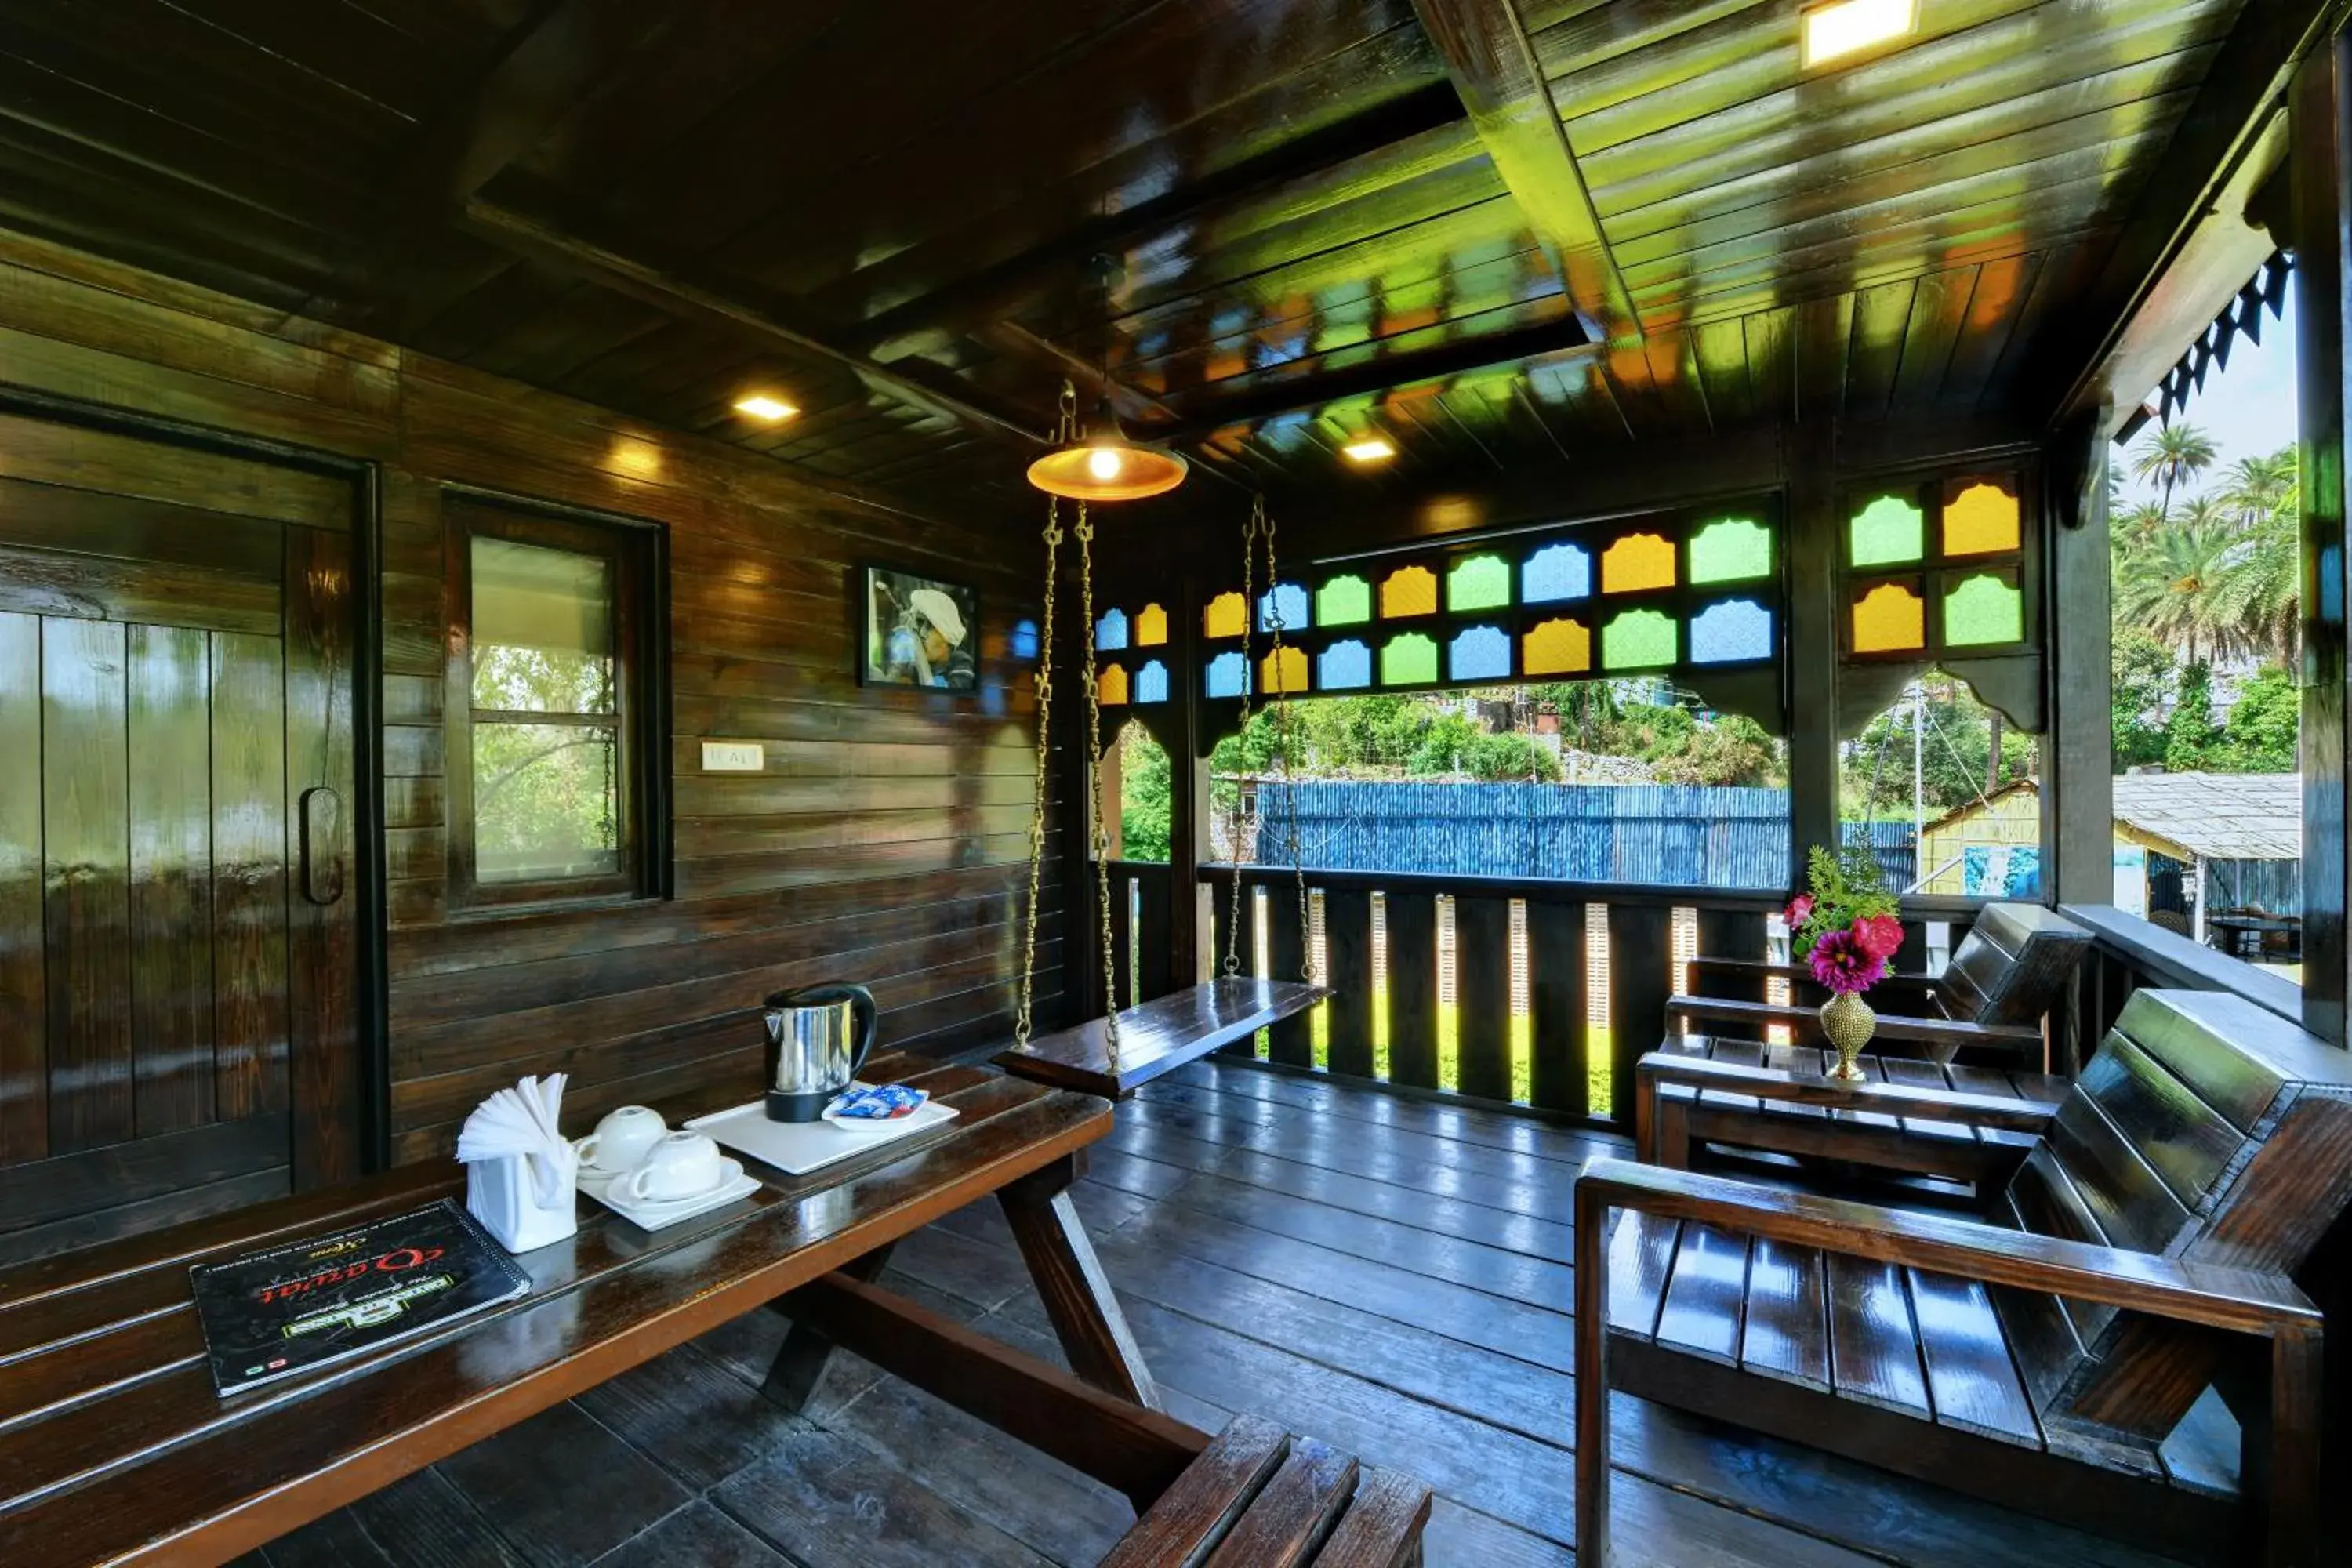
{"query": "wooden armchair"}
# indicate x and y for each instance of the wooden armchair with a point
(1989, 1000)
(2143, 1252)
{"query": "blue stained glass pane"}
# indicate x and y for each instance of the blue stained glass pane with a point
(1731, 631)
(1288, 600)
(1556, 571)
(1228, 675)
(1344, 667)
(1479, 653)
(1024, 639)
(1110, 632)
(1152, 682)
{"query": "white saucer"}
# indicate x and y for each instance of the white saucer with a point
(654, 1213)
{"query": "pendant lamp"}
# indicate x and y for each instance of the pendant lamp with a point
(1099, 461)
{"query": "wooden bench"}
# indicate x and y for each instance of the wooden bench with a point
(1160, 1035)
(2047, 1357)
(1990, 1001)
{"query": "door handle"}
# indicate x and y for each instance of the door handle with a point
(323, 857)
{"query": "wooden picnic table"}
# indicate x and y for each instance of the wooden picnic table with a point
(115, 1448)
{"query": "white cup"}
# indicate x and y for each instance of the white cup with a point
(681, 1165)
(622, 1140)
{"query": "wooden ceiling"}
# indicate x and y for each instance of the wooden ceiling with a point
(1500, 235)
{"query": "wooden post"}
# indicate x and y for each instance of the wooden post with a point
(2078, 792)
(1812, 662)
(2318, 167)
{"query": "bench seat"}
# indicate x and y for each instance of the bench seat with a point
(1259, 1498)
(1158, 1037)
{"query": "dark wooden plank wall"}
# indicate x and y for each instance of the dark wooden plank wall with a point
(885, 841)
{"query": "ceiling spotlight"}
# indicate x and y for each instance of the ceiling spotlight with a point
(760, 406)
(1370, 449)
(1842, 28)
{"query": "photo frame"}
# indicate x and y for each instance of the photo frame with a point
(918, 631)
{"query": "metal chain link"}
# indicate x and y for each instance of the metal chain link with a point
(1065, 428)
(1234, 816)
(1285, 737)
(1099, 837)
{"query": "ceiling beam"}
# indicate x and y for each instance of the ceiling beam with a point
(1495, 69)
(2189, 229)
(1056, 264)
(677, 291)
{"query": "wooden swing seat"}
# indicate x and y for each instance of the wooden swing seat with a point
(1160, 1035)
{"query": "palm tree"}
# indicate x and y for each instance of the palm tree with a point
(2256, 489)
(2134, 525)
(2166, 587)
(2174, 455)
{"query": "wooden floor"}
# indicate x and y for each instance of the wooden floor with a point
(1390, 1275)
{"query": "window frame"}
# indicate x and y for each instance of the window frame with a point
(633, 552)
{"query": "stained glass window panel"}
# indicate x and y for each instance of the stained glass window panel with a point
(1409, 661)
(1731, 551)
(1636, 562)
(1111, 685)
(1152, 682)
(1228, 673)
(1110, 631)
(1556, 571)
(1344, 601)
(1558, 648)
(1150, 627)
(1226, 616)
(1730, 632)
(1410, 591)
(1889, 618)
(1981, 517)
(1283, 672)
(1345, 666)
(1987, 608)
(1478, 583)
(1479, 653)
(1638, 639)
(1285, 602)
(1024, 639)
(1888, 532)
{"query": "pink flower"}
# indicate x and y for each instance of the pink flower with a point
(1881, 936)
(1843, 964)
(1798, 909)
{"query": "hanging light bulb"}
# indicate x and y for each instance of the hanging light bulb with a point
(1102, 463)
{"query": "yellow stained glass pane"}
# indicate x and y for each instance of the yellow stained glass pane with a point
(1288, 676)
(1111, 685)
(1890, 617)
(1226, 616)
(1981, 519)
(1408, 591)
(1557, 648)
(1150, 627)
(1637, 562)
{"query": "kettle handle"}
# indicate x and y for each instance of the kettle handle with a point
(861, 1002)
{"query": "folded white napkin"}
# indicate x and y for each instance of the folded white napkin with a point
(521, 1121)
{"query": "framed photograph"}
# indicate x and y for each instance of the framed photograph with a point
(919, 631)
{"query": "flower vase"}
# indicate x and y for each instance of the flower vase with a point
(1849, 1023)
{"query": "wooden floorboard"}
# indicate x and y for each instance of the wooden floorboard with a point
(1387, 1274)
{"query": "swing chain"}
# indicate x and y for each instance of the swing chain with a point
(1099, 833)
(1053, 537)
(1285, 738)
(1233, 814)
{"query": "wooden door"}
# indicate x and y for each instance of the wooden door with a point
(177, 987)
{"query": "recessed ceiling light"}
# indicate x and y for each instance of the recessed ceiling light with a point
(1370, 449)
(1847, 26)
(760, 406)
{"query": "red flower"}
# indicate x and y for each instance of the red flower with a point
(1841, 963)
(1878, 935)
(1800, 907)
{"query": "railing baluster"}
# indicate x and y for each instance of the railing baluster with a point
(1413, 989)
(1152, 934)
(1641, 961)
(1348, 939)
(1556, 1000)
(1482, 991)
(1732, 933)
(1291, 1041)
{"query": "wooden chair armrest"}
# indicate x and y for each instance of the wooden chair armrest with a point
(1812, 1089)
(1806, 1022)
(1757, 970)
(2237, 1301)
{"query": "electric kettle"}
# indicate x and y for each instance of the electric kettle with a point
(818, 1037)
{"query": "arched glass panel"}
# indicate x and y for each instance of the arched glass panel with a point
(1478, 583)
(1345, 601)
(1889, 618)
(1283, 672)
(1110, 631)
(1022, 641)
(1732, 551)
(1286, 601)
(1479, 653)
(1111, 685)
(1410, 660)
(1150, 627)
(1637, 563)
(1886, 532)
(1226, 616)
(1731, 632)
(1987, 608)
(1981, 519)
(1345, 667)
(1152, 682)
(1408, 591)
(1638, 639)
(1556, 571)
(1558, 648)
(1228, 673)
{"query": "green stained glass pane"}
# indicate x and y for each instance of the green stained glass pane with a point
(1343, 602)
(1984, 609)
(1731, 551)
(1887, 531)
(1638, 639)
(1479, 583)
(1409, 661)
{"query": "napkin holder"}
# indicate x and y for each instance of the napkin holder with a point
(525, 1200)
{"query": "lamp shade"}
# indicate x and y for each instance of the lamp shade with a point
(1104, 465)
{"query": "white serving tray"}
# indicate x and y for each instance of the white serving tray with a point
(800, 1147)
(656, 1216)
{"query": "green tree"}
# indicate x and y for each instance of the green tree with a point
(1955, 754)
(2264, 726)
(1143, 796)
(2142, 678)
(2166, 587)
(2190, 736)
(2174, 455)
